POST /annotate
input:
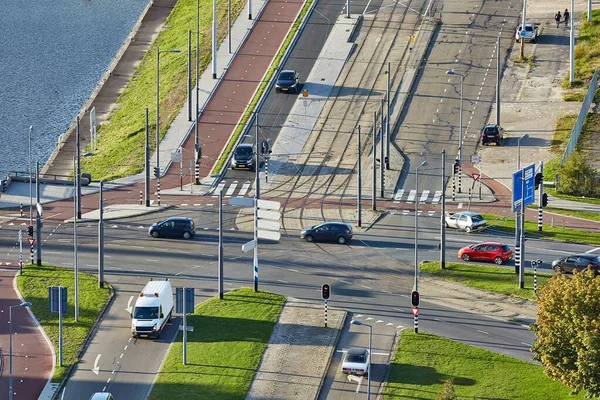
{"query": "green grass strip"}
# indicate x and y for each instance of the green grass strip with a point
(218, 168)
(224, 350)
(34, 284)
(507, 224)
(424, 361)
(501, 280)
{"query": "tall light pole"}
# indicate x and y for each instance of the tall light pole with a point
(158, 52)
(460, 134)
(197, 131)
(518, 258)
(572, 46)
(75, 258)
(416, 284)
(30, 181)
(356, 322)
(10, 385)
(525, 136)
(214, 37)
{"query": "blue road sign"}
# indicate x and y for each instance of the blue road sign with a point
(529, 177)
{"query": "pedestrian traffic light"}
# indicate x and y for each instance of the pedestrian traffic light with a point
(414, 297)
(325, 291)
(30, 230)
(538, 179)
(544, 199)
(156, 172)
(455, 167)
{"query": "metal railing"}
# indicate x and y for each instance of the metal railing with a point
(585, 108)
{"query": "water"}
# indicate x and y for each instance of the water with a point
(52, 55)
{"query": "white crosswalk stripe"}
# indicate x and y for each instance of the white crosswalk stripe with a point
(218, 189)
(411, 196)
(244, 189)
(436, 197)
(231, 189)
(424, 196)
(398, 196)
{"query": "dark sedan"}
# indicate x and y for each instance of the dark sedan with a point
(328, 232)
(287, 81)
(181, 227)
(577, 262)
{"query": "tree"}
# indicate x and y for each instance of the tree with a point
(568, 331)
(577, 177)
(447, 392)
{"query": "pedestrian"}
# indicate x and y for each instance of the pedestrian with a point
(566, 15)
(557, 19)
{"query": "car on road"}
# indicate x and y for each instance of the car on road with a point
(288, 81)
(243, 157)
(175, 227)
(492, 134)
(356, 362)
(577, 262)
(467, 221)
(530, 34)
(339, 232)
(487, 251)
(102, 396)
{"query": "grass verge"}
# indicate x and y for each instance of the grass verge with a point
(423, 362)
(592, 216)
(34, 284)
(218, 168)
(224, 350)
(507, 224)
(493, 279)
(121, 141)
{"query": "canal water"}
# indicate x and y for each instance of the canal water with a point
(52, 55)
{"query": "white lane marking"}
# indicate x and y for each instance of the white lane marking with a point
(411, 196)
(279, 280)
(293, 270)
(151, 260)
(346, 282)
(436, 197)
(231, 189)
(459, 205)
(357, 299)
(218, 189)
(53, 252)
(398, 196)
(526, 344)
(424, 196)
(487, 333)
(96, 368)
(593, 250)
(244, 189)
(366, 287)
(398, 309)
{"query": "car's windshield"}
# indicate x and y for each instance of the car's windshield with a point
(490, 131)
(505, 247)
(356, 358)
(145, 313)
(595, 260)
(243, 151)
(529, 28)
(476, 218)
(287, 76)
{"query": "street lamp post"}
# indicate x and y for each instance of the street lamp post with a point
(525, 136)
(197, 128)
(460, 134)
(356, 322)
(30, 181)
(518, 258)
(416, 283)
(10, 385)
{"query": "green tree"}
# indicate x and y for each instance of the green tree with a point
(568, 331)
(447, 392)
(577, 178)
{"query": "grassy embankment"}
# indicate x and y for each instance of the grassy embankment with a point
(224, 350)
(424, 361)
(34, 284)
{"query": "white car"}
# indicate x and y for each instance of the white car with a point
(356, 362)
(467, 221)
(531, 33)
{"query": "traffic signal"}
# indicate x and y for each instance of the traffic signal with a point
(414, 297)
(455, 167)
(30, 230)
(544, 199)
(325, 291)
(156, 172)
(538, 179)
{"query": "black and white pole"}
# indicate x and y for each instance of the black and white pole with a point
(534, 264)
(31, 251)
(540, 199)
(470, 197)
(21, 252)
(158, 189)
(266, 168)
(197, 171)
(453, 187)
(21, 208)
(416, 320)
(325, 294)
(359, 184)
(325, 313)
(141, 198)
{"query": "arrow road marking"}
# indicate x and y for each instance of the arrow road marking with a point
(353, 378)
(128, 309)
(96, 368)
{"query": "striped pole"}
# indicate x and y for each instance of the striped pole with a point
(517, 258)
(460, 177)
(453, 187)
(31, 251)
(141, 198)
(470, 197)
(416, 322)
(21, 208)
(197, 171)
(325, 313)
(158, 191)
(541, 195)
(534, 276)
(267, 169)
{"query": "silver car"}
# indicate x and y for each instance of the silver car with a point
(467, 221)
(356, 362)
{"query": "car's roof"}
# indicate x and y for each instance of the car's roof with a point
(288, 70)
(491, 243)
(469, 213)
(584, 255)
(491, 126)
(335, 223)
(356, 350)
(178, 219)
(245, 145)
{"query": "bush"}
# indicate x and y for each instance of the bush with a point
(577, 178)
(447, 392)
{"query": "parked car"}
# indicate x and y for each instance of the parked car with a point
(577, 262)
(102, 396)
(492, 134)
(467, 221)
(243, 157)
(173, 227)
(487, 251)
(153, 309)
(531, 33)
(356, 362)
(328, 232)
(287, 81)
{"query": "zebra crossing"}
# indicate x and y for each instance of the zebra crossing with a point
(233, 188)
(411, 196)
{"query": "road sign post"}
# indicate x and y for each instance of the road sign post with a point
(325, 294)
(534, 264)
(57, 296)
(21, 251)
(415, 311)
(184, 304)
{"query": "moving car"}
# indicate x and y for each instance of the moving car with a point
(467, 221)
(173, 227)
(487, 251)
(356, 362)
(243, 157)
(102, 396)
(531, 33)
(492, 134)
(577, 262)
(339, 232)
(153, 309)
(287, 81)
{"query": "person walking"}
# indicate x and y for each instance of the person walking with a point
(557, 18)
(566, 15)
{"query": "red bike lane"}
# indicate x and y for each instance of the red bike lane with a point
(31, 355)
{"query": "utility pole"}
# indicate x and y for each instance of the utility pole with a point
(256, 198)
(220, 250)
(497, 83)
(197, 149)
(572, 46)
(381, 156)
(101, 236)
(75, 244)
(189, 75)
(522, 241)
(374, 193)
(214, 38)
(387, 120)
(359, 184)
(443, 214)
(38, 217)
(147, 161)
(78, 172)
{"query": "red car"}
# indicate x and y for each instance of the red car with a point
(487, 251)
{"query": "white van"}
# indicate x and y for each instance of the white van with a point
(152, 309)
(102, 396)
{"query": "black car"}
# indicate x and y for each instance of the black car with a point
(287, 81)
(492, 134)
(328, 232)
(243, 157)
(577, 262)
(173, 227)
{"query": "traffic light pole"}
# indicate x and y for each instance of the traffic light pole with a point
(522, 238)
(443, 214)
(374, 192)
(359, 185)
(101, 237)
(38, 217)
(147, 161)
(256, 198)
(540, 199)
